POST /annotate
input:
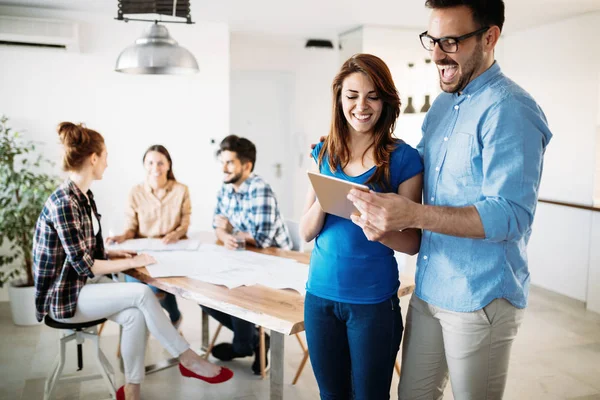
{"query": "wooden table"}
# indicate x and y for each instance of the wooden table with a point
(281, 311)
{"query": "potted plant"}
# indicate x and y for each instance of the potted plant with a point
(24, 187)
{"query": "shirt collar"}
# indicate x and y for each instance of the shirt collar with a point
(482, 79)
(244, 187)
(168, 186)
(81, 198)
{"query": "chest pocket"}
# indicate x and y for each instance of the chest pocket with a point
(458, 156)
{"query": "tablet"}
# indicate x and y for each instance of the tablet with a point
(332, 193)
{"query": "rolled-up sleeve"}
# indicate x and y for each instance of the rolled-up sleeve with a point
(72, 237)
(186, 212)
(513, 140)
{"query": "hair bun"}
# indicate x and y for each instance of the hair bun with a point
(71, 134)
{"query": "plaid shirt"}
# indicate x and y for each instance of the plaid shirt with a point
(64, 248)
(253, 208)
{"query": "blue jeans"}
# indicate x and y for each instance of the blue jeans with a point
(245, 334)
(169, 302)
(353, 347)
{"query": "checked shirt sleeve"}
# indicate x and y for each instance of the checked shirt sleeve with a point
(72, 237)
(219, 207)
(264, 213)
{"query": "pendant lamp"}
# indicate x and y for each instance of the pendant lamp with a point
(156, 52)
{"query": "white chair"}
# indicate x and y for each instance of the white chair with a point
(79, 333)
(294, 229)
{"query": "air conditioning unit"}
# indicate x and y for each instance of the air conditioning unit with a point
(38, 32)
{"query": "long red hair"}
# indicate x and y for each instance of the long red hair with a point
(336, 144)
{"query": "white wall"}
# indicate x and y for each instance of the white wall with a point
(593, 286)
(597, 172)
(350, 43)
(559, 250)
(313, 71)
(559, 65)
(42, 87)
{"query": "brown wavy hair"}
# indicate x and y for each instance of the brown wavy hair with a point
(79, 143)
(336, 144)
(162, 150)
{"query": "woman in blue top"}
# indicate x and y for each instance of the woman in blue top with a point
(352, 312)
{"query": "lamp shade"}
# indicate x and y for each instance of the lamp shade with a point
(156, 52)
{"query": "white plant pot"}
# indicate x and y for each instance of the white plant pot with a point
(22, 304)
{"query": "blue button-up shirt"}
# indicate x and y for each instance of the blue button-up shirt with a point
(485, 148)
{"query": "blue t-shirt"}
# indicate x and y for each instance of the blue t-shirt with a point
(345, 266)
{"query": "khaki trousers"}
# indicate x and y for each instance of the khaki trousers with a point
(473, 349)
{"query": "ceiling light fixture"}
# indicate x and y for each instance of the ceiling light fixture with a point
(156, 52)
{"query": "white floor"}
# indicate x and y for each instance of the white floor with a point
(556, 356)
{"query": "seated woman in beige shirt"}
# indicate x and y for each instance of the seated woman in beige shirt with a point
(158, 208)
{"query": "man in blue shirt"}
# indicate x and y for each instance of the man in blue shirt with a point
(483, 144)
(246, 208)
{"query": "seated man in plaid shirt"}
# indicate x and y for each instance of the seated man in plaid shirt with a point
(246, 207)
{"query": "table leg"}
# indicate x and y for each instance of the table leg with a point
(277, 353)
(205, 332)
(263, 354)
(159, 366)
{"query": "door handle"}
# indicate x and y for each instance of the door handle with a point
(278, 169)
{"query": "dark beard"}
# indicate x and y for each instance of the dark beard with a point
(235, 179)
(473, 64)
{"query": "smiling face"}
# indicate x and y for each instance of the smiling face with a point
(456, 70)
(156, 165)
(361, 104)
(234, 171)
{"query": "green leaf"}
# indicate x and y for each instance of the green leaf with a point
(23, 191)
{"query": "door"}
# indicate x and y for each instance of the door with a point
(260, 110)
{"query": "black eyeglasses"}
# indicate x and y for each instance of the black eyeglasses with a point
(448, 44)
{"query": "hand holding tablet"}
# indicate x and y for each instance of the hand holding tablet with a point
(331, 193)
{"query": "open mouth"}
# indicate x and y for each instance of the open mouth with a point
(448, 72)
(362, 117)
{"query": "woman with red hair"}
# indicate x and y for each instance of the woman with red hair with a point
(68, 254)
(352, 312)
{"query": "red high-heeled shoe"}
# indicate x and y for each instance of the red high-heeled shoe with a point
(121, 393)
(223, 376)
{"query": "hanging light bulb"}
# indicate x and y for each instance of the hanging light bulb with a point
(156, 52)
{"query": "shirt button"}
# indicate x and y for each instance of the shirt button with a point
(445, 139)
(468, 96)
(456, 107)
(437, 168)
(433, 198)
(424, 257)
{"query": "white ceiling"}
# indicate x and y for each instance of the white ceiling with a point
(327, 18)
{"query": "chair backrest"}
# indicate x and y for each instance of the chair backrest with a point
(294, 229)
